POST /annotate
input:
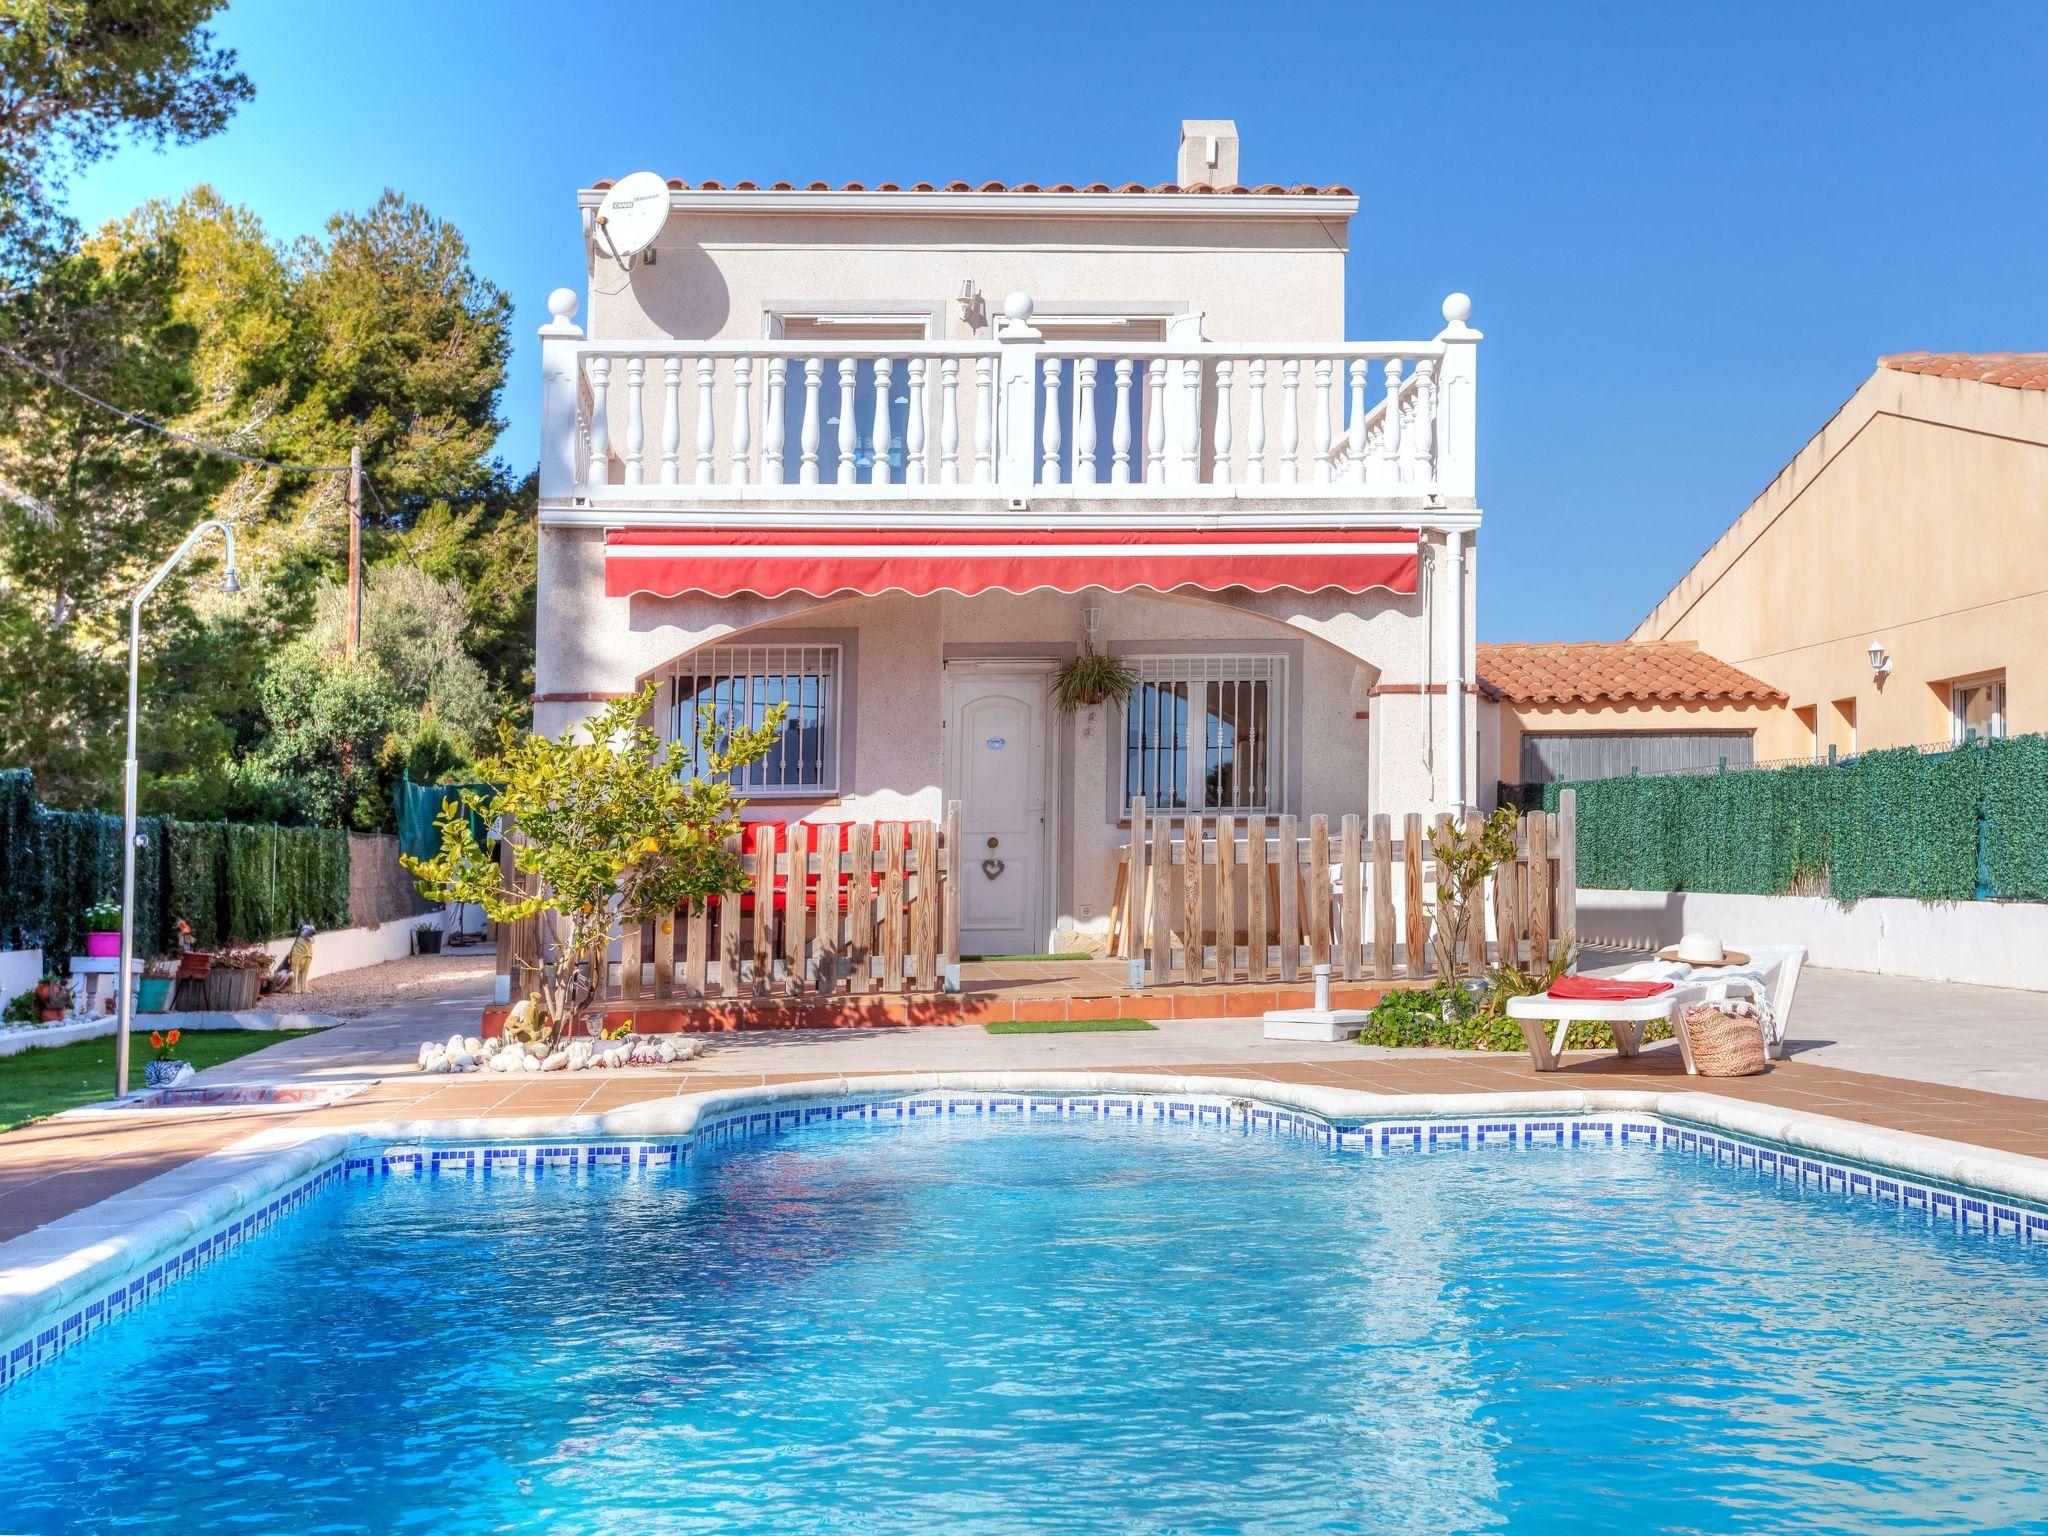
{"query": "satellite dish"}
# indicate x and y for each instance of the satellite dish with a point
(631, 215)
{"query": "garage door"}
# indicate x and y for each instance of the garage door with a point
(1554, 755)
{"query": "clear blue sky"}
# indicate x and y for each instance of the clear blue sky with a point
(1688, 231)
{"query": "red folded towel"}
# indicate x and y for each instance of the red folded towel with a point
(1601, 989)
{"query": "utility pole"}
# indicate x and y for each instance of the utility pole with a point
(355, 549)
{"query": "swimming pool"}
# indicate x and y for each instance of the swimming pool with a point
(994, 1320)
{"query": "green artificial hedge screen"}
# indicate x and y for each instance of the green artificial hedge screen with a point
(1945, 826)
(226, 880)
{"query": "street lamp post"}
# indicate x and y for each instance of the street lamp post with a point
(229, 583)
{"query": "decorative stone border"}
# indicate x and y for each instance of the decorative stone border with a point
(60, 1283)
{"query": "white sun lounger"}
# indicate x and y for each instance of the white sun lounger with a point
(1772, 972)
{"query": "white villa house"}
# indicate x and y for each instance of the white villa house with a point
(890, 455)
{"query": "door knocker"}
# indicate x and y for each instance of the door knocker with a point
(992, 868)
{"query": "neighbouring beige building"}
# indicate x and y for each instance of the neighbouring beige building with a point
(1892, 581)
(1554, 711)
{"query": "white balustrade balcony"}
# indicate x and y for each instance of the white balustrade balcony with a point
(1017, 416)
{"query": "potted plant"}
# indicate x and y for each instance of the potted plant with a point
(1091, 678)
(235, 980)
(426, 938)
(52, 998)
(162, 1069)
(153, 992)
(103, 930)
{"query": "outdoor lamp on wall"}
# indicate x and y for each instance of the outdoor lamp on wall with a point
(1880, 660)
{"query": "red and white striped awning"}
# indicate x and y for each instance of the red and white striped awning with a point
(773, 562)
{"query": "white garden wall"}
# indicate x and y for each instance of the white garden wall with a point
(1990, 943)
(20, 970)
(348, 949)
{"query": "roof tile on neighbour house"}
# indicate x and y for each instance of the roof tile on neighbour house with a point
(2010, 370)
(1599, 672)
(1162, 189)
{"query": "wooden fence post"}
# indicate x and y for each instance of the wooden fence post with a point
(1226, 900)
(1413, 932)
(1134, 895)
(1191, 896)
(1259, 961)
(1351, 870)
(949, 939)
(1382, 896)
(1290, 901)
(1162, 923)
(1319, 890)
(860, 905)
(795, 945)
(827, 925)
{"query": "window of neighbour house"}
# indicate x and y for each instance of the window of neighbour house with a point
(1205, 732)
(739, 685)
(1977, 709)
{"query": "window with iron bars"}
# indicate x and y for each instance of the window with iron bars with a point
(1205, 732)
(739, 684)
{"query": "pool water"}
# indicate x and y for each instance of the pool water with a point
(986, 1327)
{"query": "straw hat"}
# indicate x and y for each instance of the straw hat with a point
(1702, 949)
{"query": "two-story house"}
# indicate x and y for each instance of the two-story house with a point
(889, 455)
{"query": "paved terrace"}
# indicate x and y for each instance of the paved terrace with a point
(1964, 1063)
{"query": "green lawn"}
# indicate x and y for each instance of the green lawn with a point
(38, 1083)
(1067, 1026)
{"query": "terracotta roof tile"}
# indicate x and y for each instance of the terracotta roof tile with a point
(2013, 370)
(1591, 672)
(1164, 188)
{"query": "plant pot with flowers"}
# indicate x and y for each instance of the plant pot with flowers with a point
(52, 998)
(163, 1069)
(102, 922)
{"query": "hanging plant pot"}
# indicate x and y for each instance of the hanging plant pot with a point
(1091, 679)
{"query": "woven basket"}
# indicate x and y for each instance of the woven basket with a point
(1724, 1044)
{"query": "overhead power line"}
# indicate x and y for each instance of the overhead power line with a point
(156, 426)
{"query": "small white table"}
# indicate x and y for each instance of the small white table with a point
(89, 973)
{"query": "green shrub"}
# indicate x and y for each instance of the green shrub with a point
(1451, 1019)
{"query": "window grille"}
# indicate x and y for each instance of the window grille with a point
(1205, 732)
(739, 684)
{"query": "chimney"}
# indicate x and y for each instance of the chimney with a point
(1208, 152)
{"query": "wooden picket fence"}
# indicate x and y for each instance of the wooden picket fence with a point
(1256, 901)
(866, 908)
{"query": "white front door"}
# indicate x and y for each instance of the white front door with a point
(996, 741)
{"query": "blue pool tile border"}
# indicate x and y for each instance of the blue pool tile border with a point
(45, 1344)
(1970, 1214)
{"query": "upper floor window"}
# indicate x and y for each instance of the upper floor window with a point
(1976, 709)
(1205, 732)
(740, 684)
